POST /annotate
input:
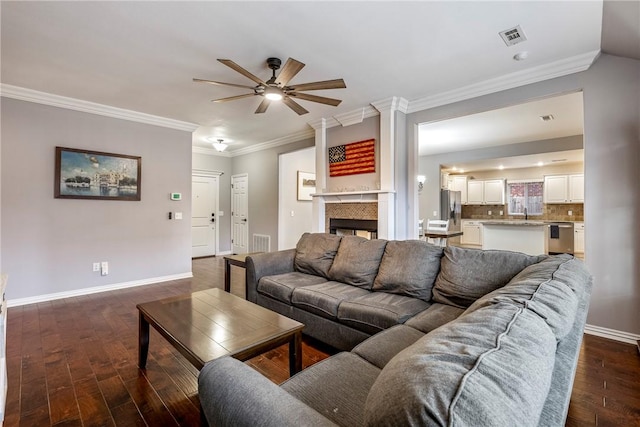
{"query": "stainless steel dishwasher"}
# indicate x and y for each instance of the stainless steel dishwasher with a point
(560, 238)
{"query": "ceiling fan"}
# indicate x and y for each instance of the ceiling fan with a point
(276, 88)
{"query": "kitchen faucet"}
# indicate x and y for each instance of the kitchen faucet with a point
(526, 216)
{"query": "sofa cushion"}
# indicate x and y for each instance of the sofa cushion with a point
(383, 346)
(467, 274)
(315, 253)
(434, 316)
(489, 367)
(336, 387)
(549, 289)
(376, 311)
(324, 299)
(357, 261)
(408, 268)
(281, 286)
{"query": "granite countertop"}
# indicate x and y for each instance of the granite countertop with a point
(520, 223)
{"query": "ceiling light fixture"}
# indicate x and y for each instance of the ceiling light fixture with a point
(501, 167)
(220, 145)
(540, 164)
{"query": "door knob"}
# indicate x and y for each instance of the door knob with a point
(244, 219)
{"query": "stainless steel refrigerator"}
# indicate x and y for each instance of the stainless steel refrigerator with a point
(451, 208)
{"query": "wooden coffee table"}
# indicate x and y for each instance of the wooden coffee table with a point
(210, 324)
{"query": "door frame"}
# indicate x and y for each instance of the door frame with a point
(211, 174)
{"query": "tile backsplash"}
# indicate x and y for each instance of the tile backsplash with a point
(551, 212)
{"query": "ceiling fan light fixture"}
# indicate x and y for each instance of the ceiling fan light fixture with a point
(219, 146)
(272, 94)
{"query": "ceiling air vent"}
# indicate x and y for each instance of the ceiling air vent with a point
(513, 36)
(547, 117)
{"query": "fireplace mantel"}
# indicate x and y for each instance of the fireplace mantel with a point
(351, 196)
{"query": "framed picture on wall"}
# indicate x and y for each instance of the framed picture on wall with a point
(306, 185)
(84, 174)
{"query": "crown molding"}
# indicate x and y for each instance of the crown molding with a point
(295, 137)
(209, 151)
(394, 103)
(350, 118)
(30, 95)
(552, 70)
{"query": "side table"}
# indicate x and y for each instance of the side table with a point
(237, 260)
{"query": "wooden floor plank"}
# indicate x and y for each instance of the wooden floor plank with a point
(74, 362)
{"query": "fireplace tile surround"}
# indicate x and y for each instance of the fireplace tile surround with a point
(366, 210)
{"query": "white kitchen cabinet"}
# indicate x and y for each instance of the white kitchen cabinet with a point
(489, 192)
(576, 188)
(564, 188)
(475, 192)
(494, 192)
(471, 233)
(459, 183)
(578, 237)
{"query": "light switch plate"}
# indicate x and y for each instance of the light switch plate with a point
(178, 215)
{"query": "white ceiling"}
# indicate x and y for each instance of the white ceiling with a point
(510, 125)
(141, 56)
(517, 162)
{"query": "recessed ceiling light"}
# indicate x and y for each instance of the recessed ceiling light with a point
(454, 168)
(540, 163)
(521, 56)
(501, 167)
(461, 171)
(547, 118)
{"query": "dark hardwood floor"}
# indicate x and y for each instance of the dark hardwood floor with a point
(73, 362)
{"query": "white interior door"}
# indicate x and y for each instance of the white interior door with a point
(240, 213)
(204, 209)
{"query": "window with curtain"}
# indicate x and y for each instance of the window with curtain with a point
(527, 193)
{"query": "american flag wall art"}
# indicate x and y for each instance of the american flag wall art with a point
(350, 159)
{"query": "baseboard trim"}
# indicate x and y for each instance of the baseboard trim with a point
(612, 334)
(223, 253)
(97, 289)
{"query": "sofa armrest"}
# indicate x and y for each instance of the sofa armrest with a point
(266, 264)
(234, 394)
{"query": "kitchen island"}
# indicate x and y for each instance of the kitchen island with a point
(529, 237)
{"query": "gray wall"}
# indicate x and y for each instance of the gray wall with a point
(49, 245)
(262, 169)
(611, 90)
(215, 163)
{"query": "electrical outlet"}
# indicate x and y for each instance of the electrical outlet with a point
(488, 212)
(570, 213)
(501, 212)
(435, 214)
(178, 215)
(104, 268)
(96, 267)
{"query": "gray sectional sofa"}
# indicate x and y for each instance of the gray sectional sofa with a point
(458, 337)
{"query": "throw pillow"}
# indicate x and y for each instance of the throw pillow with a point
(408, 267)
(315, 253)
(468, 274)
(357, 261)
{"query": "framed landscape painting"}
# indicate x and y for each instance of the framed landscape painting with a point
(306, 185)
(83, 174)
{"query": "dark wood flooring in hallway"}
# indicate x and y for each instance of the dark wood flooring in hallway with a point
(73, 362)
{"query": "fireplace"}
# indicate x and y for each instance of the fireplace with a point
(358, 227)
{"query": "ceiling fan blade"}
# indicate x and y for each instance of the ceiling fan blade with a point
(326, 84)
(263, 106)
(222, 83)
(233, 98)
(294, 106)
(314, 98)
(290, 69)
(229, 63)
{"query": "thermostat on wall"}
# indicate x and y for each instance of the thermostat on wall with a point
(176, 196)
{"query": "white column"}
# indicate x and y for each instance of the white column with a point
(386, 199)
(320, 127)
